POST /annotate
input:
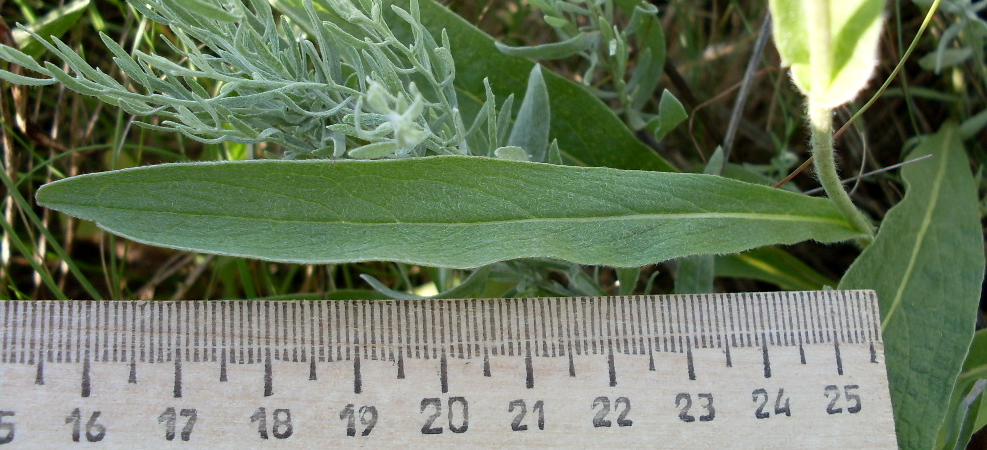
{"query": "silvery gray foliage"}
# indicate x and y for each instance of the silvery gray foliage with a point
(358, 92)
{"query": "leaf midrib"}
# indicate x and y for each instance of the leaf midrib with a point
(587, 219)
(922, 232)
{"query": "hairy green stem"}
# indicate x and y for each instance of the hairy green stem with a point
(825, 164)
(821, 118)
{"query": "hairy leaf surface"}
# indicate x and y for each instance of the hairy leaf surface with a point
(927, 266)
(440, 211)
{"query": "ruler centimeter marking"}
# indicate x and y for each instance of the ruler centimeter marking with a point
(374, 360)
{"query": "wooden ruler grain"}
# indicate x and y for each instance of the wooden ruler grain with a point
(793, 370)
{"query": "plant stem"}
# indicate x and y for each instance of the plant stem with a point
(825, 164)
(821, 118)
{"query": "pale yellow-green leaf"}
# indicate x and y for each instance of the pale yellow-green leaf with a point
(855, 27)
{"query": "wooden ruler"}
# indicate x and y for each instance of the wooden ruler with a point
(790, 369)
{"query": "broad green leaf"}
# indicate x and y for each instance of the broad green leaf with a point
(531, 128)
(448, 211)
(749, 173)
(927, 266)
(854, 26)
(582, 123)
(695, 274)
(772, 265)
(55, 23)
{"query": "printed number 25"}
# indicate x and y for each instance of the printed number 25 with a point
(852, 399)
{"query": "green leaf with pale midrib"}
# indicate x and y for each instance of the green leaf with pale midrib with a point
(440, 211)
(927, 266)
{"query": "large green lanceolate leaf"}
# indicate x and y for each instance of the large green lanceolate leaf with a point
(445, 211)
(854, 29)
(927, 265)
(588, 132)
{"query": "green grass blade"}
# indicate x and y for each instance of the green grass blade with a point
(25, 206)
(772, 265)
(695, 275)
(452, 211)
(927, 265)
(54, 23)
(967, 418)
(29, 255)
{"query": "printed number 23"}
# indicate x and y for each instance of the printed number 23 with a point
(684, 402)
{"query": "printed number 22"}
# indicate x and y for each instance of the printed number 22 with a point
(622, 420)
